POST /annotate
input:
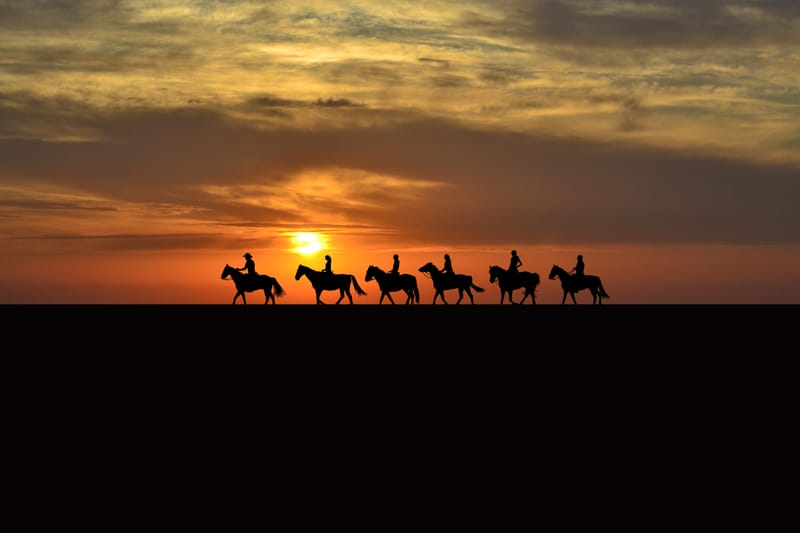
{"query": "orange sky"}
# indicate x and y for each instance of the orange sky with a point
(144, 146)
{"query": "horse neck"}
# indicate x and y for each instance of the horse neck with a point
(437, 274)
(236, 276)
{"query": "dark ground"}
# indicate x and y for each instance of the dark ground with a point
(480, 347)
(344, 330)
(620, 413)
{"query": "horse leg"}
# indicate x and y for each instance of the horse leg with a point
(460, 296)
(319, 293)
(573, 298)
(389, 295)
(244, 297)
(342, 293)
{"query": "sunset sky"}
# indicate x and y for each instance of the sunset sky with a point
(145, 144)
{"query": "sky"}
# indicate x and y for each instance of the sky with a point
(144, 145)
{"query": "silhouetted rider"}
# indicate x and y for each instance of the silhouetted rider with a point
(448, 266)
(328, 265)
(249, 265)
(395, 271)
(515, 263)
(578, 268)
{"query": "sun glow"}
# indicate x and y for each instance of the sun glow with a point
(306, 243)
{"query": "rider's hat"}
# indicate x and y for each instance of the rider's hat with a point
(247, 255)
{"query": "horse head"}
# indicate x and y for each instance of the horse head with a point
(226, 272)
(370, 272)
(494, 273)
(301, 269)
(554, 272)
(429, 268)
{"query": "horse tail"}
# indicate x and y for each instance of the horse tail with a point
(475, 287)
(359, 290)
(601, 290)
(278, 289)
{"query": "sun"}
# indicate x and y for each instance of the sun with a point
(306, 243)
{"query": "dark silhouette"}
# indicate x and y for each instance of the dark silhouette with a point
(395, 271)
(328, 269)
(249, 283)
(249, 265)
(509, 282)
(443, 282)
(578, 268)
(390, 283)
(514, 263)
(447, 268)
(323, 281)
(573, 283)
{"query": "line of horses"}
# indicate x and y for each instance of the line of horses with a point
(407, 284)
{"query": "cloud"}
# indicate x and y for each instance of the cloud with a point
(677, 24)
(433, 180)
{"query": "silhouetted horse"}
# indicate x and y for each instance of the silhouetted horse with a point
(510, 281)
(390, 283)
(445, 282)
(323, 281)
(572, 284)
(247, 283)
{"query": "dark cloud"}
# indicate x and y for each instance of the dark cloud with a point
(532, 189)
(444, 63)
(131, 241)
(60, 14)
(450, 81)
(271, 101)
(680, 24)
(50, 205)
(334, 102)
(359, 72)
